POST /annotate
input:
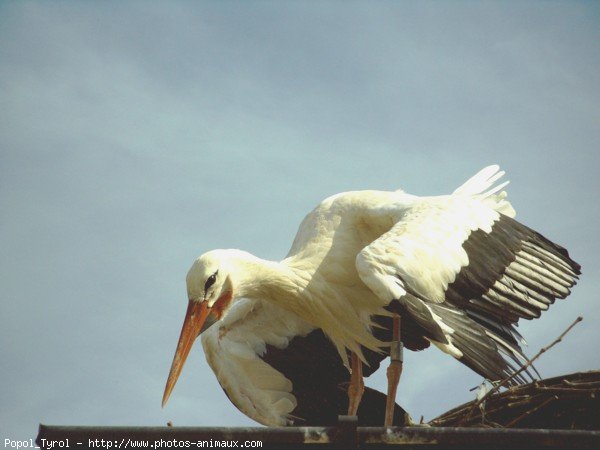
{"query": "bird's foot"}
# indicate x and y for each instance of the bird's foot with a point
(393, 375)
(356, 387)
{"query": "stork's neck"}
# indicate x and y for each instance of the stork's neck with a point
(258, 278)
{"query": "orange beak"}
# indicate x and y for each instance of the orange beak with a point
(195, 317)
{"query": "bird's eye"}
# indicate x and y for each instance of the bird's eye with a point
(210, 281)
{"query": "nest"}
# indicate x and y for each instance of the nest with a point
(564, 402)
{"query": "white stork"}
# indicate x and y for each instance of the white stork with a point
(457, 269)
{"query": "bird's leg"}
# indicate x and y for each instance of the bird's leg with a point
(356, 387)
(394, 371)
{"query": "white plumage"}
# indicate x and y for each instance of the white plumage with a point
(457, 267)
(233, 349)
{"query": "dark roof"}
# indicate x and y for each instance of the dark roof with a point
(343, 436)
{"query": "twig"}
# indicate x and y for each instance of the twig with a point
(524, 401)
(497, 386)
(582, 384)
(567, 390)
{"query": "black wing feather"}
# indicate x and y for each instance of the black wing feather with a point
(513, 272)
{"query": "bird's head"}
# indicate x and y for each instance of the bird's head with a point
(210, 294)
(209, 282)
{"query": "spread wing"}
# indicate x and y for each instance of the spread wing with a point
(233, 348)
(465, 271)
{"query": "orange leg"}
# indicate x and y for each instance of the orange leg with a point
(356, 387)
(394, 371)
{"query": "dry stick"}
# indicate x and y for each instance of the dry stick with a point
(521, 369)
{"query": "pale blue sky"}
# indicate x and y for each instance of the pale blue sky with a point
(136, 135)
